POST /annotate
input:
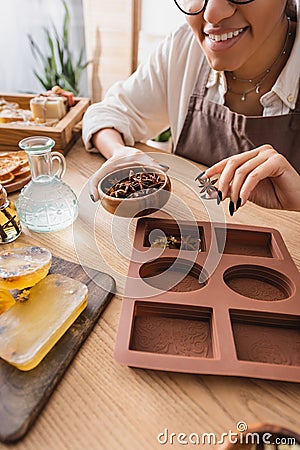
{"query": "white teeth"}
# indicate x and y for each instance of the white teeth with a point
(225, 36)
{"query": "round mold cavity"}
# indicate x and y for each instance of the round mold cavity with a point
(258, 283)
(174, 274)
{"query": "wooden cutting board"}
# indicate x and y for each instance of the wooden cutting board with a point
(24, 394)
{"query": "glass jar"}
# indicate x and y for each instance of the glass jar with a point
(46, 203)
(10, 227)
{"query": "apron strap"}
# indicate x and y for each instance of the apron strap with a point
(200, 86)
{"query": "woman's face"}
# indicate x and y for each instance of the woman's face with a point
(240, 36)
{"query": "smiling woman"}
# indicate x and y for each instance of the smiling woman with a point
(227, 83)
(194, 7)
(251, 50)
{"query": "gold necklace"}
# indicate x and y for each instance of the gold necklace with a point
(264, 75)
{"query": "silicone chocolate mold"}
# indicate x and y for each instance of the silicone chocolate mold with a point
(242, 318)
(181, 276)
(172, 330)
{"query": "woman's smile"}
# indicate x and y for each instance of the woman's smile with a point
(218, 40)
(238, 37)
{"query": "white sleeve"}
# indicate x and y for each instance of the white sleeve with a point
(137, 107)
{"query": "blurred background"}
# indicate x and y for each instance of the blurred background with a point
(114, 35)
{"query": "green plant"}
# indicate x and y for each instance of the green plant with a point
(58, 65)
(164, 136)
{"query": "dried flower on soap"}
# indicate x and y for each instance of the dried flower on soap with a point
(185, 243)
(23, 296)
(190, 243)
(164, 242)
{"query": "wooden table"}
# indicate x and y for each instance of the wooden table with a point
(100, 404)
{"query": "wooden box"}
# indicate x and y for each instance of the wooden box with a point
(65, 133)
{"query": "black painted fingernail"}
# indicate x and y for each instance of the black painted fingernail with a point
(199, 176)
(238, 203)
(92, 198)
(219, 197)
(164, 166)
(231, 208)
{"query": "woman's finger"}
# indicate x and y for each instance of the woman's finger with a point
(271, 168)
(241, 174)
(235, 159)
(233, 170)
(93, 189)
(232, 167)
(227, 169)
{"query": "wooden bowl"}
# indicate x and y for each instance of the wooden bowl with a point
(138, 206)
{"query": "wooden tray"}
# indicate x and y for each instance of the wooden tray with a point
(17, 183)
(65, 133)
(24, 394)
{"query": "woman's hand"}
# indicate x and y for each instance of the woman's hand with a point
(125, 157)
(262, 176)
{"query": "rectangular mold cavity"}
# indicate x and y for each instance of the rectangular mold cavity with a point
(266, 337)
(188, 235)
(246, 242)
(172, 330)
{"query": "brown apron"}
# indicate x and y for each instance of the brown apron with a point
(211, 132)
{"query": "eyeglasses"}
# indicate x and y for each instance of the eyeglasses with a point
(194, 7)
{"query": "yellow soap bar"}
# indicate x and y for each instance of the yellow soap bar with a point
(29, 330)
(6, 300)
(51, 107)
(23, 267)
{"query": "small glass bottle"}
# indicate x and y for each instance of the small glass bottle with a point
(46, 203)
(10, 227)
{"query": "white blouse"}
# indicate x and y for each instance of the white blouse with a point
(156, 96)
